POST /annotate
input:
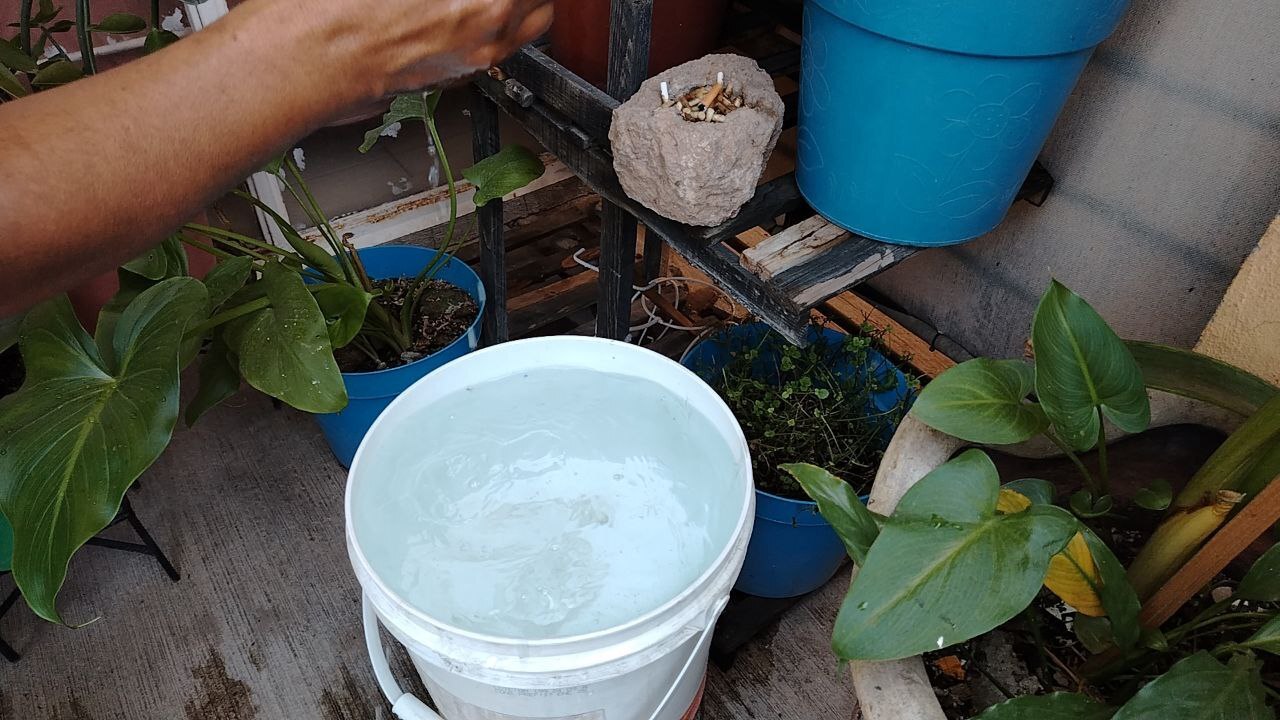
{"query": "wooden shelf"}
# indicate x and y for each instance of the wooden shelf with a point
(806, 262)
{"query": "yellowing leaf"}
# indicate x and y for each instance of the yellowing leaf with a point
(1011, 501)
(1073, 576)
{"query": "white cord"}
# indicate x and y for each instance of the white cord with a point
(651, 309)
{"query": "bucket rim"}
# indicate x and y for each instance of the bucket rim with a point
(663, 612)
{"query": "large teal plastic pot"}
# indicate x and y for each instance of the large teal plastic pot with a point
(919, 119)
(370, 393)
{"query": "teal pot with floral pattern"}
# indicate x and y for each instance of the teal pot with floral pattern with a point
(919, 119)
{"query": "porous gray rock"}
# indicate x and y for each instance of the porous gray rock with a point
(698, 173)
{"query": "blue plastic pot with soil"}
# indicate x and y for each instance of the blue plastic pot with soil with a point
(837, 400)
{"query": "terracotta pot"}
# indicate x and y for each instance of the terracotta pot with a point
(901, 688)
(682, 30)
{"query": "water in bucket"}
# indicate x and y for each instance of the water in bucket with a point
(533, 507)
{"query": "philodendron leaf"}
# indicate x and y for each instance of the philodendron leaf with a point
(219, 379)
(1190, 374)
(120, 24)
(1201, 687)
(1262, 582)
(9, 330)
(1267, 638)
(228, 276)
(840, 505)
(58, 72)
(79, 432)
(506, 171)
(404, 107)
(1155, 496)
(983, 401)
(1011, 501)
(1039, 492)
(1084, 504)
(1056, 706)
(166, 260)
(1119, 599)
(131, 286)
(1074, 577)
(946, 566)
(344, 307)
(1081, 366)
(284, 349)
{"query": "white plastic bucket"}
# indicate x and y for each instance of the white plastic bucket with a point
(648, 668)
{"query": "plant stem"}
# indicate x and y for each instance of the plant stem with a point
(322, 223)
(446, 247)
(214, 251)
(155, 14)
(90, 64)
(1075, 460)
(235, 238)
(1104, 482)
(227, 316)
(24, 26)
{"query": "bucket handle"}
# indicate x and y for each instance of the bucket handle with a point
(707, 632)
(403, 705)
(407, 707)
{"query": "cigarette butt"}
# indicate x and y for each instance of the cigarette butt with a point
(718, 118)
(666, 93)
(712, 94)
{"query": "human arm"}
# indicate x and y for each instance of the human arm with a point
(95, 172)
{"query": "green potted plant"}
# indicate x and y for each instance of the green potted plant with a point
(836, 402)
(947, 555)
(96, 410)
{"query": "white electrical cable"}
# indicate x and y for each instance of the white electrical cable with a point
(651, 309)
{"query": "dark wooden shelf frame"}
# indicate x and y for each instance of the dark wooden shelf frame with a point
(571, 118)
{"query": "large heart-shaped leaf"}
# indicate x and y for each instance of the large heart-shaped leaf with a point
(841, 507)
(284, 348)
(219, 379)
(1190, 374)
(1056, 706)
(82, 429)
(946, 566)
(1262, 582)
(1201, 688)
(1073, 576)
(506, 171)
(1082, 366)
(344, 307)
(166, 260)
(983, 401)
(1267, 638)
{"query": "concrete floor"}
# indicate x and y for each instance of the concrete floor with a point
(265, 622)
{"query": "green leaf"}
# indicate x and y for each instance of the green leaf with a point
(219, 379)
(227, 277)
(120, 24)
(9, 84)
(16, 60)
(1201, 687)
(58, 72)
(1267, 638)
(79, 432)
(983, 401)
(946, 566)
(504, 172)
(1039, 492)
(158, 39)
(166, 260)
(1081, 366)
(344, 307)
(46, 12)
(1093, 632)
(1262, 582)
(1234, 461)
(6, 545)
(1118, 596)
(131, 286)
(1085, 505)
(284, 349)
(841, 507)
(1056, 706)
(1190, 374)
(404, 107)
(1157, 496)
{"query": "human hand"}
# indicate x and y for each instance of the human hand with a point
(396, 46)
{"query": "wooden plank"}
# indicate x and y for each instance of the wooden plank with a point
(630, 24)
(617, 274)
(485, 141)
(794, 246)
(1239, 532)
(898, 340)
(846, 264)
(771, 199)
(589, 106)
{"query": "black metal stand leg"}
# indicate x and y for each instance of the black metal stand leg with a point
(630, 22)
(617, 270)
(652, 256)
(148, 546)
(485, 141)
(5, 649)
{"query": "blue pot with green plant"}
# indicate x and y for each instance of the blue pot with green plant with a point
(837, 398)
(919, 119)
